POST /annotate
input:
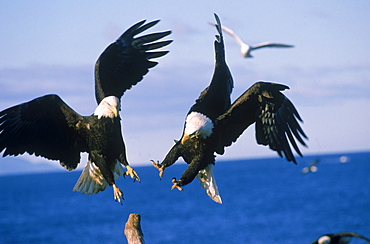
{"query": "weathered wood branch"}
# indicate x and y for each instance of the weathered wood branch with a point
(133, 232)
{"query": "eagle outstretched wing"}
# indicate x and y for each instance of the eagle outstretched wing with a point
(45, 126)
(275, 116)
(215, 99)
(124, 62)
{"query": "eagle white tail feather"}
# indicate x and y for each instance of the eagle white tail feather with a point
(91, 180)
(208, 182)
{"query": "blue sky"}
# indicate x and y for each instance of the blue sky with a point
(51, 47)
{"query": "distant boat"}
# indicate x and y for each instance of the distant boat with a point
(343, 159)
(311, 168)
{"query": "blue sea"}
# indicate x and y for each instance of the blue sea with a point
(264, 201)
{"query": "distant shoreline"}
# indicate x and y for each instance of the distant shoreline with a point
(17, 166)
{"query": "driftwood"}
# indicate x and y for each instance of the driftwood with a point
(133, 230)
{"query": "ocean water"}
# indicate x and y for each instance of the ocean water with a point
(264, 201)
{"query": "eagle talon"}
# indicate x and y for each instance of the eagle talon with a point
(176, 184)
(159, 167)
(118, 195)
(132, 173)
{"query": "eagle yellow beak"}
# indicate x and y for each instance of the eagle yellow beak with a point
(184, 138)
(115, 111)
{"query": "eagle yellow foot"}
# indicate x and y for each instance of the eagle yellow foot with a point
(176, 184)
(159, 167)
(132, 173)
(118, 195)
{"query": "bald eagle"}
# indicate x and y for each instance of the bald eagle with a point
(213, 123)
(339, 238)
(48, 127)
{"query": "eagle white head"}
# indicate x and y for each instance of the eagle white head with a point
(108, 107)
(197, 124)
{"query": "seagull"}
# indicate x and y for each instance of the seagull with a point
(339, 238)
(245, 49)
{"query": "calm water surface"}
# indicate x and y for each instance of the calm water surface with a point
(264, 201)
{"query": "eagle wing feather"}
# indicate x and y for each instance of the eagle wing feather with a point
(46, 127)
(275, 117)
(124, 62)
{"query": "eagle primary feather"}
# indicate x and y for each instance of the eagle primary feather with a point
(125, 62)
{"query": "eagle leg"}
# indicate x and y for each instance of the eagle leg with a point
(176, 184)
(131, 172)
(160, 167)
(117, 193)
